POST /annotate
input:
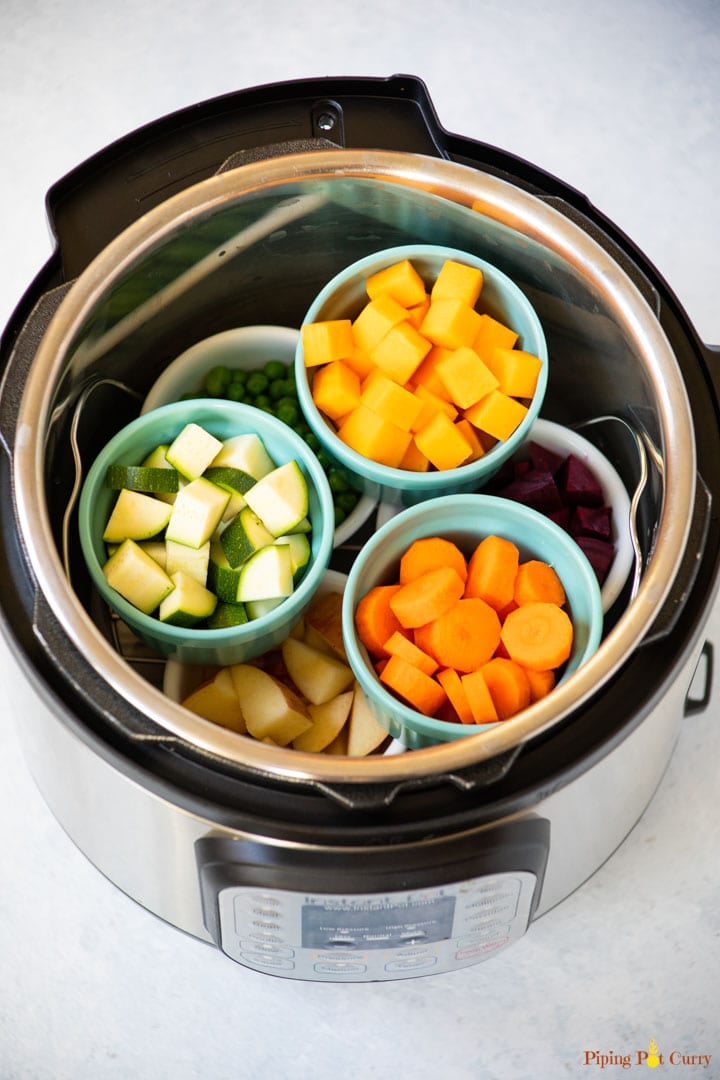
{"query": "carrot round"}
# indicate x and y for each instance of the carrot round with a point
(538, 636)
(541, 683)
(453, 687)
(429, 553)
(399, 645)
(427, 597)
(465, 637)
(492, 569)
(538, 582)
(509, 686)
(375, 620)
(479, 698)
(415, 687)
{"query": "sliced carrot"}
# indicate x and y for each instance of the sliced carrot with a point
(538, 636)
(375, 620)
(538, 581)
(453, 687)
(541, 683)
(492, 569)
(399, 645)
(465, 637)
(427, 597)
(509, 686)
(415, 687)
(479, 698)
(428, 553)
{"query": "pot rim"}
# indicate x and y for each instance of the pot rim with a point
(503, 202)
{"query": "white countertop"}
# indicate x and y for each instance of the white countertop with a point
(621, 100)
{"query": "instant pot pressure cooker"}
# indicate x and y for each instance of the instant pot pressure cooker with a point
(234, 212)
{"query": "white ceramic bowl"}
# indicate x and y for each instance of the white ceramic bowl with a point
(563, 441)
(247, 347)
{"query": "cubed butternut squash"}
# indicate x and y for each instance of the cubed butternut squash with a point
(326, 340)
(375, 320)
(414, 460)
(497, 414)
(470, 433)
(516, 371)
(465, 377)
(391, 401)
(417, 313)
(457, 281)
(450, 322)
(400, 352)
(426, 374)
(336, 389)
(492, 334)
(368, 434)
(401, 281)
(442, 443)
(431, 406)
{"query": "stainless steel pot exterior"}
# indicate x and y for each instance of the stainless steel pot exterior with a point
(144, 842)
(564, 258)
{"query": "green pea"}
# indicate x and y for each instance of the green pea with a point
(312, 440)
(324, 460)
(286, 411)
(262, 401)
(337, 481)
(276, 389)
(340, 515)
(275, 369)
(257, 383)
(346, 500)
(235, 392)
(217, 381)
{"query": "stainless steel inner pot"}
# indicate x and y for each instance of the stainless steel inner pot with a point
(253, 245)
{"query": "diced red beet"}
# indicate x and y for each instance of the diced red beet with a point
(592, 521)
(561, 517)
(578, 485)
(521, 467)
(600, 554)
(545, 459)
(536, 489)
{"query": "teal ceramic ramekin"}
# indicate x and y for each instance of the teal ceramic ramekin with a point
(222, 419)
(344, 296)
(466, 520)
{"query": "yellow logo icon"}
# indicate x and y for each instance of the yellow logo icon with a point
(652, 1060)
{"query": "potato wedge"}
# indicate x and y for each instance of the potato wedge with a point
(328, 721)
(323, 624)
(271, 709)
(317, 675)
(217, 700)
(365, 734)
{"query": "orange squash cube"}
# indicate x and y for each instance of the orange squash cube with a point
(465, 377)
(431, 406)
(458, 281)
(442, 443)
(426, 374)
(336, 389)
(401, 281)
(391, 401)
(326, 340)
(450, 322)
(377, 439)
(400, 352)
(492, 334)
(375, 320)
(516, 371)
(360, 362)
(469, 432)
(414, 460)
(497, 414)
(417, 313)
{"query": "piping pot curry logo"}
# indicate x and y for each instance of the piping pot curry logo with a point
(651, 1058)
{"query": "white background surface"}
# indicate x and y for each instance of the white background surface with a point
(621, 100)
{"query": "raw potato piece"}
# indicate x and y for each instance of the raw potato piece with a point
(323, 624)
(271, 709)
(328, 721)
(364, 732)
(318, 676)
(217, 701)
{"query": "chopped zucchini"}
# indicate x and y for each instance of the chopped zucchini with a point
(280, 499)
(137, 577)
(192, 451)
(192, 561)
(188, 603)
(243, 536)
(247, 453)
(299, 549)
(142, 478)
(196, 513)
(135, 516)
(267, 575)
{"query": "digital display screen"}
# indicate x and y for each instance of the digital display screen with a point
(374, 925)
